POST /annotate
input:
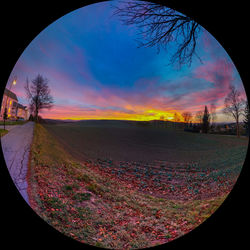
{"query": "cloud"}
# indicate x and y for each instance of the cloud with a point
(218, 75)
(99, 73)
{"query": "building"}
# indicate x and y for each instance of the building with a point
(15, 110)
(10, 102)
(22, 112)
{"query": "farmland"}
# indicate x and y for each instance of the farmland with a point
(116, 185)
(126, 142)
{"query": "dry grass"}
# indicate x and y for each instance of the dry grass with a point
(3, 132)
(95, 208)
(13, 122)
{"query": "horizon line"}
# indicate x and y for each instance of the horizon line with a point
(77, 120)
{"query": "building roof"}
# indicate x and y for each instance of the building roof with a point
(20, 106)
(10, 94)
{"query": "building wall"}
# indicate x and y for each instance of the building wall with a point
(22, 113)
(11, 106)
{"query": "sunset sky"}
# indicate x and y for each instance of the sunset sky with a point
(96, 71)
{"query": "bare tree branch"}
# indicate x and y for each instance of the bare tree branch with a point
(159, 25)
(234, 106)
(213, 114)
(39, 95)
(187, 116)
(198, 116)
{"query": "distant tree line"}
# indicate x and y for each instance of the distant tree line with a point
(234, 106)
(205, 121)
(246, 120)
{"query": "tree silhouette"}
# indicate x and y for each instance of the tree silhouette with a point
(5, 116)
(213, 115)
(38, 94)
(159, 25)
(205, 120)
(234, 106)
(246, 115)
(162, 118)
(199, 116)
(176, 119)
(187, 116)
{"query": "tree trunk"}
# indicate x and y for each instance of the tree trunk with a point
(36, 115)
(237, 128)
(4, 117)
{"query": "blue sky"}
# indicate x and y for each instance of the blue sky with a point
(96, 70)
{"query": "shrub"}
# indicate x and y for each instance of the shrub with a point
(96, 189)
(82, 196)
(68, 187)
(84, 178)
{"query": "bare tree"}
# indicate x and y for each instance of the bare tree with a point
(176, 119)
(205, 121)
(162, 118)
(234, 106)
(199, 116)
(187, 116)
(213, 115)
(159, 25)
(38, 94)
(246, 115)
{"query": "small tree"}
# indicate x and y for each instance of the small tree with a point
(5, 116)
(246, 120)
(205, 121)
(38, 95)
(234, 106)
(177, 119)
(213, 114)
(198, 118)
(31, 118)
(187, 116)
(162, 118)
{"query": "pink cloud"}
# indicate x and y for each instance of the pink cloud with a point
(220, 75)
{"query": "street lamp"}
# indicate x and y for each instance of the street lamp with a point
(14, 82)
(5, 106)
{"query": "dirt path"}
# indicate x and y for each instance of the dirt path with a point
(16, 148)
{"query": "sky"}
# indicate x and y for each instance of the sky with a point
(96, 71)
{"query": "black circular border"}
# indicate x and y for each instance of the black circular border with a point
(22, 21)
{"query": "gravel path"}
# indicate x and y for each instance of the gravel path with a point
(16, 148)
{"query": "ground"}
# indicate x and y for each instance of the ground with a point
(13, 122)
(16, 147)
(3, 132)
(118, 202)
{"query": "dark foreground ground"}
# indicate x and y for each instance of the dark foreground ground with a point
(119, 186)
(120, 141)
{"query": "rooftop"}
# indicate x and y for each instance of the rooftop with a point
(10, 94)
(20, 106)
